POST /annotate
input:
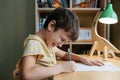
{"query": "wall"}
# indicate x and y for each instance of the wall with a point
(115, 28)
(16, 22)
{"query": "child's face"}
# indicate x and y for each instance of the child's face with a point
(57, 38)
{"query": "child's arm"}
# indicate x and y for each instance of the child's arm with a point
(62, 54)
(31, 72)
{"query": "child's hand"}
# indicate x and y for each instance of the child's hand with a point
(68, 66)
(92, 62)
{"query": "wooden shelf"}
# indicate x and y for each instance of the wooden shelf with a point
(79, 43)
(88, 11)
(77, 10)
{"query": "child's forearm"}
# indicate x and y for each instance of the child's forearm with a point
(77, 58)
(74, 57)
(38, 73)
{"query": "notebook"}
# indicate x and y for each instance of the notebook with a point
(107, 67)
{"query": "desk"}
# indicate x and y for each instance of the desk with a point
(92, 75)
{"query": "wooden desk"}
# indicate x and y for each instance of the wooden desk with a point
(92, 75)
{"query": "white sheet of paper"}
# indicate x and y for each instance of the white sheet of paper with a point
(107, 67)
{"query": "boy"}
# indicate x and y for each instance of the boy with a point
(39, 58)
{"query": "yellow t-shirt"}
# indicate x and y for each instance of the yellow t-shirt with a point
(34, 45)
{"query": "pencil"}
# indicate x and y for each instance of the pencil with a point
(69, 55)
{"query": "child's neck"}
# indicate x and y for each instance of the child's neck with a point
(41, 34)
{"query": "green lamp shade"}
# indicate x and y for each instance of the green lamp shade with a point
(108, 16)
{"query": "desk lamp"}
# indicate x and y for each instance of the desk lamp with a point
(100, 44)
(108, 16)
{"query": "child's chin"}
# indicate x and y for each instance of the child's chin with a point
(51, 46)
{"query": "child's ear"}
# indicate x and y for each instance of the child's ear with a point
(51, 25)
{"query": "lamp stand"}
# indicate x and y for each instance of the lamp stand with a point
(101, 44)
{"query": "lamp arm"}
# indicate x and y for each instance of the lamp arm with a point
(95, 23)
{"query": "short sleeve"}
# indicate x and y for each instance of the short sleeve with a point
(33, 47)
